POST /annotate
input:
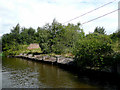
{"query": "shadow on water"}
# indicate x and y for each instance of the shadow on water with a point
(98, 78)
(28, 74)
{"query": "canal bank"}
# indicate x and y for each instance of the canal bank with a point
(58, 59)
(64, 62)
(69, 65)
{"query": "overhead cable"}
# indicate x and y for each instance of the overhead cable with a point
(90, 11)
(100, 16)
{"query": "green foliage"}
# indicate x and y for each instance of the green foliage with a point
(12, 49)
(0, 45)
(52, 38)
(91, 50)
(1, 54)
(43, 37)
(116, 41)
(27, 36)
(99, 30)
(17, 49)
(16, 29)
(57, 38)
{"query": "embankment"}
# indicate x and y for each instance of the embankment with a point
(64, 62)
(58, 59)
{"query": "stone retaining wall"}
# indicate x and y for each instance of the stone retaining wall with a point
(50, 59)
(58, 60)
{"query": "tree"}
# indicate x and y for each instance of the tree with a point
(27, 35)
(91, 51)
(16, 29)
(118, 33)
(99, 30)
(15, 33)
(72, 34)
(63, 38)
(42, 38)
(52, 38)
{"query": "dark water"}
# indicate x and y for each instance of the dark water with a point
(20, 73)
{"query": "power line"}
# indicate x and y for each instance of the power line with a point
(100, 16)
(90, 11)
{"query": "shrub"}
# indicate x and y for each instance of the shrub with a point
(91, 50)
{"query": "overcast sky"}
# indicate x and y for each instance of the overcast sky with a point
(34, 13)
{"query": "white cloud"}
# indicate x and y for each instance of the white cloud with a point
(34, 13)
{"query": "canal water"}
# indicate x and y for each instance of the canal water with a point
(21, 73)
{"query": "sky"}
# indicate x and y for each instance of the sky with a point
(34, 13)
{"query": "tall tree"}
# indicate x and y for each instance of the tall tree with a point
(100, 30)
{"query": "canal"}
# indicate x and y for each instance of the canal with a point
(21, 73)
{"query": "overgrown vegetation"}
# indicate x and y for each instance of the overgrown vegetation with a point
(91, 50)
(54, 38)
(96, 49)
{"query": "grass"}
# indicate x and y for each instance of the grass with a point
(23, 49)
(38, 50)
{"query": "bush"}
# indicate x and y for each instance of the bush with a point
(91, 50)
